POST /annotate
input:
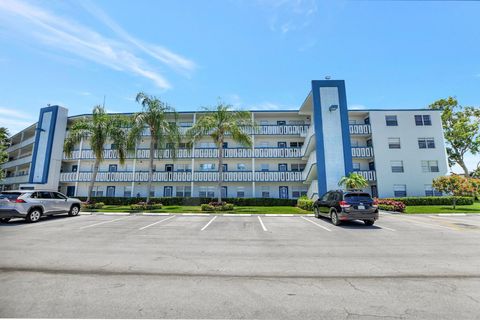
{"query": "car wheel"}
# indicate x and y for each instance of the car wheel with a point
(74, 210)
(315, 211)
(369, 222)
(34, 215)
(334, 217)
(4, 220)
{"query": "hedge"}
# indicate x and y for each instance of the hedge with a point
(432, 201)
(305, 204)
(179, 201)
(391, 205)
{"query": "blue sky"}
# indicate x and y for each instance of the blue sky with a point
(257, 54)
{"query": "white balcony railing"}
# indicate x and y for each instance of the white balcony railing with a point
(199, 153)
(232, 176)
(362, 152)
(369, 175)
(360, 129)
(22, 144)
(293, 129)
(16, 179)
(17, 162)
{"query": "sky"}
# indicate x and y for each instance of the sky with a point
(256, 54)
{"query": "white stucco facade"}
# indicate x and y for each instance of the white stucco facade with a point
(295, 152)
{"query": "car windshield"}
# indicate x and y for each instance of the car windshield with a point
(357, 197)
(10, 195)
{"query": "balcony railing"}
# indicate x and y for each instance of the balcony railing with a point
(23, 178)
(199, 176)
(369, 175)
(362, 152)
(22, 144)
(198, 153)
(360, 129)
(17, 162)
(289, 129)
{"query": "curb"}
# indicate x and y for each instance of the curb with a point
(86, 213)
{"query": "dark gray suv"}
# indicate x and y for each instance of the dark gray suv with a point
(341, 206)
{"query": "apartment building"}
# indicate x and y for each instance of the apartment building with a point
(295, 153)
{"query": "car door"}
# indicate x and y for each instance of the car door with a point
(60, 202)
(48, 203)
(322, 204)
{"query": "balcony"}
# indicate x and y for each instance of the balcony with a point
(199, 176)
(198, 153)
(15, 179)
(362, 152)
(17, 162)
(22, 144)
(360, 129)
(294, 129)
(369, 175)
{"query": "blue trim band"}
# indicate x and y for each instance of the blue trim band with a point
(48, 153)
(320, 149)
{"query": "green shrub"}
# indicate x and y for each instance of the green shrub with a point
(92, 205)
(432, 201)
(386, 207)
(217, 206)
(189, 201)
(305, 204)
(143, 206)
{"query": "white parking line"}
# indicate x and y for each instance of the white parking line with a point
(261, 222)
(97, 224)
(415, 221)
(318, 225)
(383, 227)
(211, 220)
(43, 221)
(152, 224)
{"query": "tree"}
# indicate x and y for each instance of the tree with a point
(100, 129)
(161, 121)
(456, 185)
(218, 123)
(353, 181)
(4, 143)
(461, 126)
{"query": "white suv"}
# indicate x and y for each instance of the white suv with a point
(32, 204)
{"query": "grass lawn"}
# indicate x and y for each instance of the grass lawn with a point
(475, 208)
(196, 209)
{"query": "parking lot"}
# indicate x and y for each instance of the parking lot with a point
(207, 266)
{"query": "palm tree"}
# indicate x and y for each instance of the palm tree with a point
(217, 123)
(4, 144)
(101, 128)
(353, 181)
(161, 121)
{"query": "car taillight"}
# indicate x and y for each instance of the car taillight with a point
(20, 201)
(344, 204)
(375, 202)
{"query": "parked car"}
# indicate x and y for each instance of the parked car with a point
(341, 206)
(33, 204)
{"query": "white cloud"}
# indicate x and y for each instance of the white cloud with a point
(289, 15)
(160, 53)
(8, 113)
(67, 35)
(270, 106)
(15, 121)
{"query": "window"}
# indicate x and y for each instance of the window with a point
(298, 167)
(167, 191)
(74, 168)
(281, 123)
(225, 167)
(44, 195)
(430, 166)
(369, 143)
(423, 120)
(184, 191)
(282, 144)
(169, 167)
(113, 146)
(282, 167)
(356, 166)
(265, 190)
(225, 145)
(391, 121)
(96, 192)
(152, 193)
(112, 168)
(367, 120)
(296, 144)
(426, 143)
(297, 192)
(394, 143)
(397, 166)
(207, 167)
(371, 165)
(264, 167)
(224, 192)
(430, 192)
(264, 122)
(241, 167)
(399, 190)
(240, 192)
(184, 167)
(58, 196)
(283, 192)
(127, 192)
(110, 191)
(206, 192)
